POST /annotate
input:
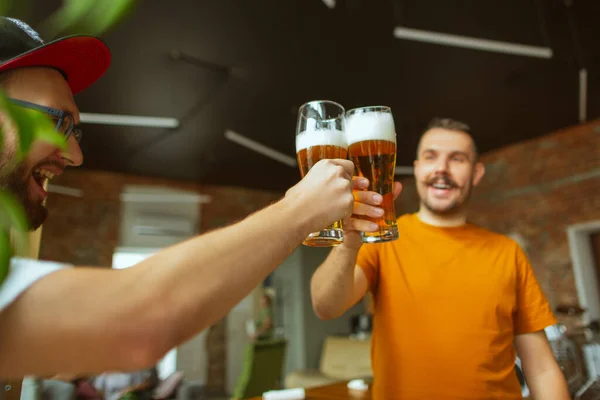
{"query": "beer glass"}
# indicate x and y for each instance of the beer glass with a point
(320, 135)
(371, 138)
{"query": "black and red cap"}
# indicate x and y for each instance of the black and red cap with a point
(82, 59)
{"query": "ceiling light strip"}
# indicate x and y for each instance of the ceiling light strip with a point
(472, 43)
(129, 120)
(583, 95)
(260, 148)
(64, 190)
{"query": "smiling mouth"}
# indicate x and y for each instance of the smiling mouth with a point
(443, 186)
(41, 175)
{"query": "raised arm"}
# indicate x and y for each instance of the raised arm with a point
(339, 283)
(90, 320)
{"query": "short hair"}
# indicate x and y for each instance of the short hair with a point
(451, 125)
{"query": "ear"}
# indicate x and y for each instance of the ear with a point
(415, 165)
(479, 172)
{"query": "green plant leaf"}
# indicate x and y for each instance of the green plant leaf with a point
(5, 5)
(5, 254)
(66, 17)
(31, 125)
(20, 9)
(90, 17)
(13, 220)
(75, 16)
(12, 214)
(104, 17)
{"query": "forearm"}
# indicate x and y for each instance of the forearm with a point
(548, 385)
(544, 377)
(219, 269)
(88, 320)
(332, 285)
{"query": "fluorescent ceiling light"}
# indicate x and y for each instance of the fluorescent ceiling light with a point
(261, 148)
(129, 120)
(67, 191)
(404, 170)
(472, 43)
(583, 79)
(329, 3)
(191, 198)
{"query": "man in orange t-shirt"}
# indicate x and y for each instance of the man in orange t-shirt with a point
(453, 302)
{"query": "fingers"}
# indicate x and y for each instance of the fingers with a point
(365, 203)
(397, 189)
(347, 165)
(367, 210)
(363, 225)
(360, 183)
(368, 197)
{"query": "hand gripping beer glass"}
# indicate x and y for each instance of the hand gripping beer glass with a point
(371, 138)
(320, 135)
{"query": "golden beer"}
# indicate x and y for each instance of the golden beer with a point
(308, 157)
(320, 136)
(371, 137)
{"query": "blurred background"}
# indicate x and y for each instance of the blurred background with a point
(193, 127)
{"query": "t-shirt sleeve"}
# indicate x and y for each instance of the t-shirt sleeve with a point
(23, 273)
(533, 311)
(368, 261)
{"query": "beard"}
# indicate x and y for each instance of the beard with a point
(449, 209)
(17, 183)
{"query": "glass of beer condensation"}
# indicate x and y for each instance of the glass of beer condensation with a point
(320, 135)
(371, 138)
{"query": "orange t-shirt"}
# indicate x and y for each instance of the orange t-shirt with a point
(447, 305)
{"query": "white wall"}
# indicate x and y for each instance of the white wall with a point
(294, 312)
(316, 330)
(290, 287)
(582, 256)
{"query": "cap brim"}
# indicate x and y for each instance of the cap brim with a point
(84, 59)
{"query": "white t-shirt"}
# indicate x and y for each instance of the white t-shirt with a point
(23, 273)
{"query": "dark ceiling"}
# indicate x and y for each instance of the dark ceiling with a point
(278, 54)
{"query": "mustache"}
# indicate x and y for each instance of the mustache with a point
(445, 179)
(54, 162)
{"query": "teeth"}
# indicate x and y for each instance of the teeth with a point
(441, 186)
(44, 173)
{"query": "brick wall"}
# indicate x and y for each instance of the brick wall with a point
(84, 231)
(534, 190)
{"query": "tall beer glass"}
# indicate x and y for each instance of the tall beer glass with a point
(320, 135)
(371, 138)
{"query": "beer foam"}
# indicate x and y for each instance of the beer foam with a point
(325, 137)
(370, 125)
